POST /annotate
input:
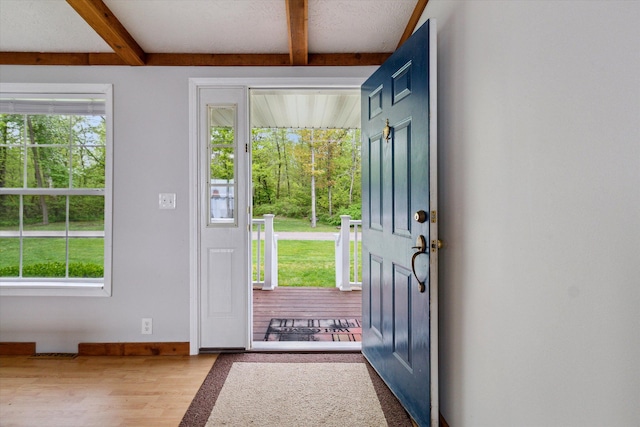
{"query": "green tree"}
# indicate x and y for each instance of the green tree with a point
(295, 169)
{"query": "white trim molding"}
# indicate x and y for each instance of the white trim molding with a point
(301, 82)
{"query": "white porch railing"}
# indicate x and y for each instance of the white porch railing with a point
(270, 280)
(343, 254)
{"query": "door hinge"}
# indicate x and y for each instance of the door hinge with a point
(246, 148)
(434, 216)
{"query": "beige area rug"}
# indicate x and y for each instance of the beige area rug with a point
(258, 389)
(289, 394)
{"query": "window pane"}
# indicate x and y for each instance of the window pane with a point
(222, 163)
(222, 122)
(47, 167)
(89, 130)
(44, 257)
(11, 165)
(48, 129)
(86, 257)
(222, 202)
(86, 213)
(88, 166)
(9, 212)
(11, 129)
(44, 212)
(9, 257)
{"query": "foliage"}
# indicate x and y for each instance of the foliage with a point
(52, 151)
(299, 224)
(282, 208)
(285, 160)
(222, 155)
(354, 211)
(60, 152)
(54, 269)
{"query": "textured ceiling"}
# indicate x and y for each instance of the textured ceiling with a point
(212, 27)
(207, 26)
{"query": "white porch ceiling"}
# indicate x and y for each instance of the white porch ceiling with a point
(298, 109)
(319, 109)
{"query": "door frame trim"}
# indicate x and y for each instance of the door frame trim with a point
(433, 226)
(195, 84)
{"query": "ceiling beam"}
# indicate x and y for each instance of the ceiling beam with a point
(297, 23)
(105, 23)
(347, 59)
(193, 60)
(43, 58)
(413, 21)
(217, 60)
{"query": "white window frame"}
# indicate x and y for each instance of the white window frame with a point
(72, 287)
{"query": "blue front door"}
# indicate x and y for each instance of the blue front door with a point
(399, 220)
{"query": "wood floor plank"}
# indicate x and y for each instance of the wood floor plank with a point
(99, 391)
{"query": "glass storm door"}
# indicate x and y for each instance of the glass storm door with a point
(399, 222)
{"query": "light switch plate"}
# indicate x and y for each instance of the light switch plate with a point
(167, 200)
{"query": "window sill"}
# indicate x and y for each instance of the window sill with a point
(74, 287)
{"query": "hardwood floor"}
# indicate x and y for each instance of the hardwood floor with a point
(303, 303)
(99, 391)
(128, 391)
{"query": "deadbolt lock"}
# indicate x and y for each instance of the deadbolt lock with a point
(420, 216)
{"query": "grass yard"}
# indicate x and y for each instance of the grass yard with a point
(300, 262)
(305, 263)
(46, 257)
(300, 224)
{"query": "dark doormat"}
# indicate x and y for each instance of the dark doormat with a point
(314, 330)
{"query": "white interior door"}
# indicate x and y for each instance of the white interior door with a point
(223, 217)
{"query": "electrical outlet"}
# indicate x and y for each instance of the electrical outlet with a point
(147, 326)
(167, 200)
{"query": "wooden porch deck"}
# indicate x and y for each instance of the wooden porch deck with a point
(303, 303)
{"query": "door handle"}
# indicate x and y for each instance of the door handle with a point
(421, 246)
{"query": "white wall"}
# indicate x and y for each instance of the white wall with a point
(539, 108)
(540, 212)
(150, 246)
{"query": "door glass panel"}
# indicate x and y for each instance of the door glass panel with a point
(222, 165)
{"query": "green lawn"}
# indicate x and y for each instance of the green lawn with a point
(305, 263)
(46, 257)
(58, 226)
(300, 262)
(299, 224)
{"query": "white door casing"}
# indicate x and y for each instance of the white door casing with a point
(240, 297)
